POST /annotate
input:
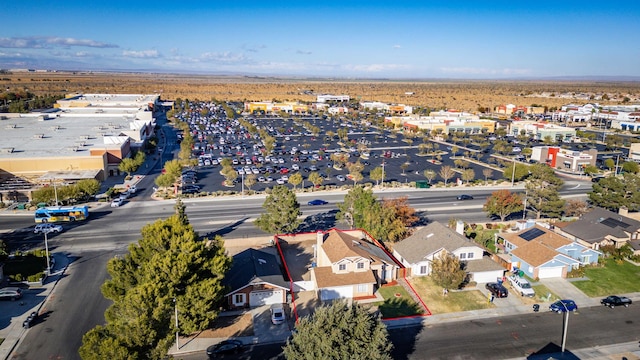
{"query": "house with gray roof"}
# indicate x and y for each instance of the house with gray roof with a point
(601, 227)
(255, 279)
(418, 251)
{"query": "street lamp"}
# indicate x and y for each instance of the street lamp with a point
(46, 248)
(565, 327)
(175, 303)
(513, 173)
(382, 174)
(524, 208)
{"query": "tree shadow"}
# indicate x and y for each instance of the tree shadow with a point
(226, 229)
(321, 221)
(404, 340)
(399, 307)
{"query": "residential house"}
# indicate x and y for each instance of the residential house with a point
(418, 251)
(255, 279)
(600, 227)
(541, 253)
(349, 264)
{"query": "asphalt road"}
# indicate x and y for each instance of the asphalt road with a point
(77, 304)
(511, 337)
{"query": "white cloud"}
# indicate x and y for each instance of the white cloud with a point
(484, 71)
(39, 42)
(226, 57)
(375, 68)
(302, 52)
(143, 54)
(397, 46)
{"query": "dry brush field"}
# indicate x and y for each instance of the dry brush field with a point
(453, 94)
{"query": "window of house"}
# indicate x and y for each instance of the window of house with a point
(463, 256)
(586, 259)
(470, 255)
(360, 265)
(238, 299)
(342, 267)
(362, 288)
(423, 269)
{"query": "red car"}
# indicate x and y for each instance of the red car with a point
(284, 170)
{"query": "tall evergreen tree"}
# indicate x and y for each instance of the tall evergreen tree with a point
(169, 267)
(543, 191)
(339, 331)
(282, 212)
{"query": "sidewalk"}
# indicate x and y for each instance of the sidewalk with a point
(33, 300)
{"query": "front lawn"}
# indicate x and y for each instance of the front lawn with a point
(397, 302)
(613, 278)
(454, 301)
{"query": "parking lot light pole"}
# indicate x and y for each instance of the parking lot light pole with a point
(242, 189)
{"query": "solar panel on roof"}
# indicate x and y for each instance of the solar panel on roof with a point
(611, 222)
(531, 234)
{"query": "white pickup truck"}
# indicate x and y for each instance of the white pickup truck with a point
(521, 286)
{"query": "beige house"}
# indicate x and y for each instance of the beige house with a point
(350, 264)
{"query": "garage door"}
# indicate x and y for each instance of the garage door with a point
(338, 292)
(550, 272)
(266, 297)
(487, 276)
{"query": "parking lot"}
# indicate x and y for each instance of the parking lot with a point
(309, 143)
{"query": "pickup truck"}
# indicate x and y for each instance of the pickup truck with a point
(521, 286)
(613, 301)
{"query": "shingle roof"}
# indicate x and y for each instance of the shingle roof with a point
(428, 240)
(325, 278)
(535, 253)
(339, 245)
(484, 264)
(538, 250)
(254, 266)
(596, 224)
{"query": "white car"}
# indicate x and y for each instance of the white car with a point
(280, 181)
(117, 202)
(341, 178)
(277, 314)
(47, 228)
(521, 286)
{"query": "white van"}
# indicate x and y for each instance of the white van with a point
(521, 285)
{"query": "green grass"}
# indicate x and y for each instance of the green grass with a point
(395, 306)
(614, 278)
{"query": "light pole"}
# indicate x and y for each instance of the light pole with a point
(524, 208)
(175, 303)
(242, 186)
(382, 184)
(46, 249)
(513, 173)
(565, 328)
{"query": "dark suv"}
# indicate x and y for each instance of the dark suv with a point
(498, 290)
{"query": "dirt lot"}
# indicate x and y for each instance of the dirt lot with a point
(453, 94)
(229, 326)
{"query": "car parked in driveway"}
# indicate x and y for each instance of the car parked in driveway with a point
(47, 228)
(277, 314)
(498, 290)
(563, 305)
(317, 202)
(521, 286)
(614, 300)
(224, 347)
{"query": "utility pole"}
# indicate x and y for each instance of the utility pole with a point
(382, 174)
(177, 326)
(513, 173)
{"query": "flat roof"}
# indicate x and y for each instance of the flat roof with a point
(34, 136)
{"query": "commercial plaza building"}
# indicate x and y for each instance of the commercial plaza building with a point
(84, 136)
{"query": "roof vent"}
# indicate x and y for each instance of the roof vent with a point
(430, 235)
(38, 136)
(6, 150)
(11, 126)
(262, 261)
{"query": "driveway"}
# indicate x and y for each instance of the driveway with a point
(264, 330)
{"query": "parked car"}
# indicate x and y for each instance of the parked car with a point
(317, 202)
(341, 178)
(277, 314)
(464, 197)
(563, 305)
(10, 293)
(47, 228)
(498, 290)
(521, 285)
(224, 347)
(614, 300)
(117, 202)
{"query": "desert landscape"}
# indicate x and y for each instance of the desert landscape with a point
(465, 95)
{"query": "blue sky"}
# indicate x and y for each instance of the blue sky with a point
(342, 39)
